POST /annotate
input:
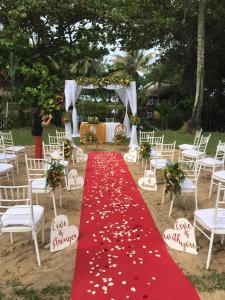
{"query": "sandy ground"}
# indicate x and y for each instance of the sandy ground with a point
(18, 260)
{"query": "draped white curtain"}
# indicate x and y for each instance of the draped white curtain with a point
(132, 96)
(126, 95)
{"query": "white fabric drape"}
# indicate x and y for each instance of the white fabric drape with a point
(132, 96)
(122, 93)
(78, 90)
(70, 91)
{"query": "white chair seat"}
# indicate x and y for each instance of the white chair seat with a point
(39, 184)
(4, 168)
(192, 153)
(158, 163)
(209, 161)
(6, 156)
(156, 154)
(205, 218)
(187, 185)
(219, 175)
(16, 149)
(187, 147)
(17, 215)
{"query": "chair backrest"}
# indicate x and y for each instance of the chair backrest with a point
(7, 138)
(109, 120)
(120, 128)
(48, 150)
(36, 168)
(220, 151)
(53, 140)
(145, 135)
(156, 141)
(168, 150)
(61, 135)
(203, 143)
(2, 147)
(21, 197)
(198, 135)
(191, 169)
(219, 215)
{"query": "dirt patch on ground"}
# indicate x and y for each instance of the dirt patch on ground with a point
(18, 260)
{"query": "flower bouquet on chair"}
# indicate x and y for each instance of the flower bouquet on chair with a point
(174, 176)
(54, 175)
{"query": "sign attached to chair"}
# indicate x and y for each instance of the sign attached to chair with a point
(148, 182)
(62, 234)
(131, 156)
(74, 181)
(182, 237)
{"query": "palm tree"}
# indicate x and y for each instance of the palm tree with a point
(133, 64)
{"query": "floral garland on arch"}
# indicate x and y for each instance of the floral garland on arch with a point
(67, 117)
(102, 81)
(174, 176)
(134, 120)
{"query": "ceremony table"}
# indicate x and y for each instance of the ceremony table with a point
(104, 131)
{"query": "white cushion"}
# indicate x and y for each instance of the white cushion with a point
(209, 161)
(21, 215)
(192, 153)
(187, 147)
(38, 183)
(219, 175)
(4, 156)
(4, 168)
(158, 163)
(155, 153)
(16, 149)
(187, 184)
(205, 218)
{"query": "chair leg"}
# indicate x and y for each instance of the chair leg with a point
(36, 248)
(43, 231)
(222, 239)
(210, 250)
(196, 199)
(163, 196)
(11, 237)
(54, 206)
(210, 190)
(171, 205)
(60, 196)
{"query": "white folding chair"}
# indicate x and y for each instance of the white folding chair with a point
(7, 156)
(211, 221)
(54, 140)
(6, 170)
(199, 152)
(145, 135)
(9, 143)
(36, 172)
(61, 135)
(18, 214)
(165, 154)
(216, 163)
(189, 185)
(195, 144)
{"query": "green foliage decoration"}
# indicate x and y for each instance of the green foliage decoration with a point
(145, 150)
(102, 81)
(120, 138)
(174, 176)
(90, 137)
(93, 120)
(68, 149)
(54, 174)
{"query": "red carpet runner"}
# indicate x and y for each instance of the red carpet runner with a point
(120, 252)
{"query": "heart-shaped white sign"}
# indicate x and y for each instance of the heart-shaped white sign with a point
(148, 182)
(131, 156)
(80, 155)
(62, 234)
(74, 181)
(182, 238)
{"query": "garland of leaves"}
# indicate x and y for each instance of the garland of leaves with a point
(93, 120)
(134, 120)
(90, 137)
(174, 176)
(54, 174)
(102, 81)
(66, 117)
(120, 138)
(145, 150)
(68, 149)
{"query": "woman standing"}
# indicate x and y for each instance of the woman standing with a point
(37, 131)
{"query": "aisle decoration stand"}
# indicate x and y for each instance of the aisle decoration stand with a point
(125, 90)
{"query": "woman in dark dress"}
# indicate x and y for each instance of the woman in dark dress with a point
(37, 131)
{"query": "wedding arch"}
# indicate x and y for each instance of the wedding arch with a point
(127, 94)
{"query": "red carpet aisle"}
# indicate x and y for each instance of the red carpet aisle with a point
(120, 252)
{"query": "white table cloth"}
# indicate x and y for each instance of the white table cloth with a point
(110, 131)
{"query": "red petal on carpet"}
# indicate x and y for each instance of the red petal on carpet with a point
(120, 252)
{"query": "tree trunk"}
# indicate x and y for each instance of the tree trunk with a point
(195, 120)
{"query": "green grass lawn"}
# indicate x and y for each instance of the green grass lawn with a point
(23, 136)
